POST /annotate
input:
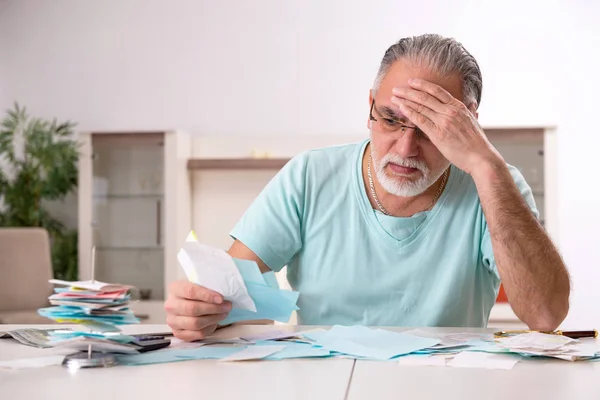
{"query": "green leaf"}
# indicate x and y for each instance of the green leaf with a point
(48, 171)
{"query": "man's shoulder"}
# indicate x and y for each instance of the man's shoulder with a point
(331, 155)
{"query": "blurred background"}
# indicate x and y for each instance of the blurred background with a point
(183, 110)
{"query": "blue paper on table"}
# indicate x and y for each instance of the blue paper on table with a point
(271, 302)
(378, 344)
(294, 350)
(165, 356)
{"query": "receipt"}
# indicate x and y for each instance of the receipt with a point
(214, 269)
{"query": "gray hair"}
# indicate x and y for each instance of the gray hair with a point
(443, 55)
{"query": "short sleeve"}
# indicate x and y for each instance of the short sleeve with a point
(271, 227)
(487, 252)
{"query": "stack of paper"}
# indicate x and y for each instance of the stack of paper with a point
(546, 345)
(98, 305)
(253, 295)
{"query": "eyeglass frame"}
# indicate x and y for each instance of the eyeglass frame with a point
(402, 127)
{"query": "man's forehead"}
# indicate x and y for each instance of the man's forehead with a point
(401, 71)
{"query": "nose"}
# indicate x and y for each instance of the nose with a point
(406, 146)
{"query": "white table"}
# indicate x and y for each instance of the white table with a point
(294, 379)
(528, 380)
(196, 379)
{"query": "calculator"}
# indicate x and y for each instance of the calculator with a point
(145, 343)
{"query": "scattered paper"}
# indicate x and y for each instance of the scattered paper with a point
(82, 343)
(280, 334)
(214, 269)
(535, 341)
(253, 353)
(270, 335)
(425, 360)
(178, 344)
(165, 356)
(38, 362)
(294, 350)
(450, 340)
(370, 343)
(468, 359)
(32, 336)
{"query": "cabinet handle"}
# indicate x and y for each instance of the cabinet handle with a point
(158, 223)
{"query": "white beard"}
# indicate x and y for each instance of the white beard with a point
(405, 187)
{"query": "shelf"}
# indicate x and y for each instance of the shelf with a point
(129, 248)
(128, 196)
(236, 163)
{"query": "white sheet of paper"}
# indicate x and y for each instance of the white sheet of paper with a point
(253, 353)
(37, 362)
(425, 360)
(215, 269)
(474, 359)
(535, 341)
(182, 344)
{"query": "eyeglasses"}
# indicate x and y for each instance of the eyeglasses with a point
(392, 125)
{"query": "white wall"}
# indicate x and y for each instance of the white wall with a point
(269, 67)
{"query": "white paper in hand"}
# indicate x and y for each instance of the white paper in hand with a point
(214, 269)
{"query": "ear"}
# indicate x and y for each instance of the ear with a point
(473, 108)
(370, 101)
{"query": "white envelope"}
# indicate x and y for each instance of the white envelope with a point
(214, 269)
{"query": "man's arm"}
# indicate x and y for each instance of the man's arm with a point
(533, 274)
(241, 251)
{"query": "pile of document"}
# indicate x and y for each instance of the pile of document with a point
(535, 344)
(33, 337)
(99, 306)
(410, 348)
(253, 295)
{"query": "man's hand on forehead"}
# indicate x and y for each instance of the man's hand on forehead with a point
(448, 123)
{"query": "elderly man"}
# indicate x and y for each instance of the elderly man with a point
(415, 226)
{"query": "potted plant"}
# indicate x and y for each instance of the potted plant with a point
(38, 163)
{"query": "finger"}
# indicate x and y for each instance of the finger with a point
(424, 123)
(193, 308)
(420, 97)
(189, 290)
(193, 323)
(191, 335)
(420, 108)
(434, 90)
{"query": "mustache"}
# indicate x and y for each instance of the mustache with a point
(403, 162)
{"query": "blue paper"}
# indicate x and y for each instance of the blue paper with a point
(249, 271)
(378, 344)
(294, 350)
(271, 302)
(271, 279)
(165, 356)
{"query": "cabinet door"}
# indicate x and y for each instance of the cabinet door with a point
(127, 210)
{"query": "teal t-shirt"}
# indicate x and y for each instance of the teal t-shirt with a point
(354, 265)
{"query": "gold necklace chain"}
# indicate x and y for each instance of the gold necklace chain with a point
(382, 208)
